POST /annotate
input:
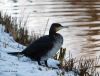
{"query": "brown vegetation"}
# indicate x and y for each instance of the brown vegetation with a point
(20, 34)
(82, 67)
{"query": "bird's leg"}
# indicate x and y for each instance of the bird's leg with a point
(39, 62)
(46, 63)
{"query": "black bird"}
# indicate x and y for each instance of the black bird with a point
(46, 46)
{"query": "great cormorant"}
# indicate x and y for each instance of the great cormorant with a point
(46, 46)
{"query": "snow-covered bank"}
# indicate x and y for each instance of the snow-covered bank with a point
(21, 66)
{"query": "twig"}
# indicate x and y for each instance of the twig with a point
(46, 26)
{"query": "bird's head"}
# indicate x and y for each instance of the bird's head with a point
(56, 27)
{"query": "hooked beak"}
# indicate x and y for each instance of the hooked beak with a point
(64, 27)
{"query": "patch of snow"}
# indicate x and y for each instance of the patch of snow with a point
(53, 63)
(21, 65)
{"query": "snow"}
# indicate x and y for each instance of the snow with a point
(53, 63)
(21, 65)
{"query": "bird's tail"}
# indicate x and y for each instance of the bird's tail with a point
(15, 53)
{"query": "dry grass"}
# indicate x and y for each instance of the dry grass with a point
(82, 67)
(13, 26)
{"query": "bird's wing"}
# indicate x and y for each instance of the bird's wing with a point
(40, 47)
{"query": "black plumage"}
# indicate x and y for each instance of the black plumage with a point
(39, 48)
(44, 47)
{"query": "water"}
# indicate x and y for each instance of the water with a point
(82, 38)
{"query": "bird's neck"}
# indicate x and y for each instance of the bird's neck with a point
(52, 32)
